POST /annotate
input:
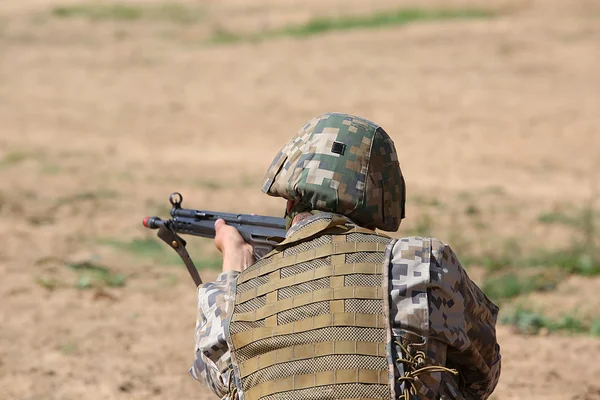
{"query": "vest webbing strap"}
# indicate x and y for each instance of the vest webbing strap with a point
(335, 226)
(311, 350)
(328, 249)
(322, 378)
(337, 223)
(332, 293)
(241, 339)
(313, 274)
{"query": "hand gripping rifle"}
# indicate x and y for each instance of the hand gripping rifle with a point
(263, 233)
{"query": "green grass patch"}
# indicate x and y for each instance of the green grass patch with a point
(69, 348)
(222, 36)
(583, 256)
(556, 217)
(577, 259)
(170, 12)
(343, 23)
(48, 216)
(511, 285)
(90, 195)
(50, 169)
(425, 201)
(92, 275)
(491, 262)
(595, 327)
(526, 321)
(48, 283)
(146, 247)
(580, 219)
(16, 157)
(501, 256)
(482, 248)
(494, 190)
(155, 249)
(377, 20)
(209, 263)
(531, 322)
(472, 210)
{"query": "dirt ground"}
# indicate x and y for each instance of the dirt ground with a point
(101, 120)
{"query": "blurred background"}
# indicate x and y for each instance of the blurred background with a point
(106, 107)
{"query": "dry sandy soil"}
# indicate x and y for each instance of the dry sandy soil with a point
(101, 120)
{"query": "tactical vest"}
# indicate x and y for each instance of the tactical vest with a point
(308, 320)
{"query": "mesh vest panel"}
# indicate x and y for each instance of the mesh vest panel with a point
(308, 321)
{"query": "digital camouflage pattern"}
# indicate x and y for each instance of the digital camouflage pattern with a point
(433, 313)
(344, 164)
(433, 298)
(213, 359)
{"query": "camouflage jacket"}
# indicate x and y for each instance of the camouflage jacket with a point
(430, 295)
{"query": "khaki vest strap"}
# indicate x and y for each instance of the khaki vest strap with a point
(311, 350)
(314, 274)
(333, 293)
(320, 321)
(321, 378)
(336, 226)
(315, 228)
(328, 249)
(271, 298)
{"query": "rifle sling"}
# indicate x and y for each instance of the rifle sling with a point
(167, 235)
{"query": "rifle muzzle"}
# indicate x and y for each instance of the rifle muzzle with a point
(153, 222)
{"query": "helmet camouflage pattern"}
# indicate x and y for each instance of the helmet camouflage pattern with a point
(342, 164)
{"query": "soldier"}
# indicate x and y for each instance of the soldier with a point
(338, 310)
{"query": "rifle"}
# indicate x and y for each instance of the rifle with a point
(263, 233)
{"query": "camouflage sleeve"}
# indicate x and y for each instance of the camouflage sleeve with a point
(465, 319)
(432, 296)
(213, 360)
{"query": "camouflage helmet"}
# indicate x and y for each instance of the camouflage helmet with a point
(342, 164)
